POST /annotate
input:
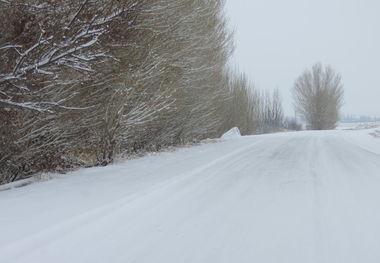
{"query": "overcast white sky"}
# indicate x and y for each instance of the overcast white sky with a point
(276, 40)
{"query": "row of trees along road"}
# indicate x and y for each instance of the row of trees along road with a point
(82, 82)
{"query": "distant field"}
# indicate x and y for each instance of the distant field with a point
(358, 125)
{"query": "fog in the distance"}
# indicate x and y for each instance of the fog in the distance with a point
(276, 40)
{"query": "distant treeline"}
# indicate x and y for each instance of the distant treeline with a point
(360, 118)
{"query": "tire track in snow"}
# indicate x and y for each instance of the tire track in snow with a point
(11, 251)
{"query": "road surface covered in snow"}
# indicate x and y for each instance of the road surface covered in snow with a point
(292, 197)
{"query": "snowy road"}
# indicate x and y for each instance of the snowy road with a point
(297, 197)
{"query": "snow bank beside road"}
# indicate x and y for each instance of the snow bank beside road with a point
(375, 133)
(368, 139)
(232, 133)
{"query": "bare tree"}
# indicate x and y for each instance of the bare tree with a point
(277, 110)
(318, 97)
(240, 105)
(270, 112)
(292, 124)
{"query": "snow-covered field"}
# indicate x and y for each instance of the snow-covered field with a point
(291, 197)
(358, 125)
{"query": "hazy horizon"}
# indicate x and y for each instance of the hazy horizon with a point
(275, 41)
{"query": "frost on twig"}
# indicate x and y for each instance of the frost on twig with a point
(46, 47)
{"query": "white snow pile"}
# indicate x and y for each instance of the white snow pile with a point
(375, 133)
(232, 133)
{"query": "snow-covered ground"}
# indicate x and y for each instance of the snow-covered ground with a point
(358, 125)
(291, 197)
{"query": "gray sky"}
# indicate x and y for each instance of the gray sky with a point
(276, 40)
